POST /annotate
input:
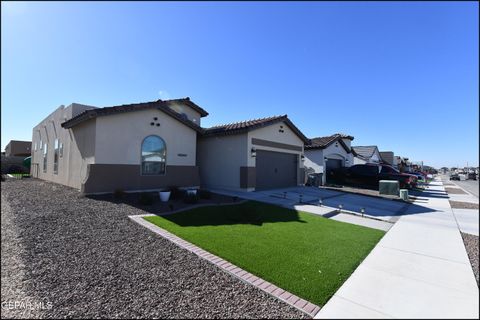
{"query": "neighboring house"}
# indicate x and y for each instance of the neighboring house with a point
(252, 155)
(403, 164)
(323, 154)
(139, 146)
(388, 157)
(18, 148)
(366, 154)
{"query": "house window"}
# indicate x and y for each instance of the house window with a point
(35, 146)
(45, 157)
(41, 144)
(55, 158)
(154, 154)
(61, 149)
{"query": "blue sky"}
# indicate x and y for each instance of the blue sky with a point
(403, 76)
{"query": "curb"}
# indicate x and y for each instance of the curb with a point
(287, 297)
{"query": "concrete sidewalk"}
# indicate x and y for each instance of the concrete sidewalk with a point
(420, 269)
(467, 220)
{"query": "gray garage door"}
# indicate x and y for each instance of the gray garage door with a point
(330, 165)
(275, 170)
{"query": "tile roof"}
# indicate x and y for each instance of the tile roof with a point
(158, 104)
(365, 151)
(323, 142)
(248, 125)
(387, 156)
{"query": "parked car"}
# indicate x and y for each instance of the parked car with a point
(419, 175)
(454, 176)
(472, 176)
(371, 174)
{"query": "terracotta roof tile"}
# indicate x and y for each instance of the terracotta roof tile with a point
(247, 125)
(323, 142)
(365, 151)
(158, 104)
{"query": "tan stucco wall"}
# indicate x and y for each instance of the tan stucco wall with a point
(314, 160)
(271, 133)
(78, 147)
(119, 138)
(220, 159)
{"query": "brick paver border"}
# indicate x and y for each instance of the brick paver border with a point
(287, 297)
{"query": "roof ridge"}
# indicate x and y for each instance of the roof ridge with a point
(246, 121)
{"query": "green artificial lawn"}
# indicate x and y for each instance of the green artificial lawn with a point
(303, 253)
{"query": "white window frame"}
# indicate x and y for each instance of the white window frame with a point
(164, 172)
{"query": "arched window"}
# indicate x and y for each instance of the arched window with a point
(154, 154)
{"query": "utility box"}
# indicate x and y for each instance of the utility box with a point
(389, 187)
(404, 194)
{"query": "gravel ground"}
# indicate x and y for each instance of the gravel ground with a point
(463, 205)
(88, 260)
(471, 244)
(455, 191)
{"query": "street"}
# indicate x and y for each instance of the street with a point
(469, 185)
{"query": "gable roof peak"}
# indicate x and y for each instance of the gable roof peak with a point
(252, 124)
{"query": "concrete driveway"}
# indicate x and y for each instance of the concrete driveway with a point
(378, 208)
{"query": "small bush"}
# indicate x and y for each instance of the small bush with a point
(16, 169)
(176, 193)
(204, 194)
(119, 194)
(190, 198)
(145, 199)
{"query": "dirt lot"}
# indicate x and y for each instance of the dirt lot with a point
(455, 191)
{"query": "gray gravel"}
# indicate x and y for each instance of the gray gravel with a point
(88, 260)
(455, 191)
(463, 205)
(471, 244)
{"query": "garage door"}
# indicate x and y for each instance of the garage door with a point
(330, 165)
(275, 170)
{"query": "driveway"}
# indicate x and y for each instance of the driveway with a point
(379, 208)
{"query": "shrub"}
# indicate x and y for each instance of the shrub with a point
(13, 168)
(190, 198)
(118, 193)
(204, 194)
(145, 199)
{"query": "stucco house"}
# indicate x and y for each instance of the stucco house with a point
(366, 154)
(252, 155)
(323, 154)
(18, 148)
(388, 157)
(161, 144)
(138, 146)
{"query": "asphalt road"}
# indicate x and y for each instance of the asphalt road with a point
(469, 185)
